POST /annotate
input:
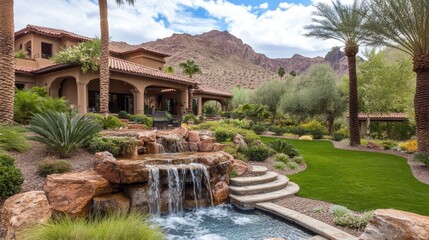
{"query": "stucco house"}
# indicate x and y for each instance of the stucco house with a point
(138, 83)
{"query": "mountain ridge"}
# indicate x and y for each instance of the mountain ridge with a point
(226, 61)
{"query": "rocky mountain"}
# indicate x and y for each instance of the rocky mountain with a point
(227, 62)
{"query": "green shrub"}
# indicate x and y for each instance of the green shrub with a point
(11, 178)
(113, 226)
(341, 134)
(20, 54)
(298, 159)
(277, 130)
(388, 144)
(282, 146)
(85, 54)
(6, 160)
(233, 173)
(109, 122)
(118, 146)
(257, 153)
(281, 157)
(224, 134)
(190, 117)
(123, 115)
(297, 130)
(259, 128)
(314, 128)
(293, 165)
(279, 165)
(243, 123)
(422, 157)
(13, 139)
(318, 210)
(346, 218)
(235, 152)
(142, 119)
(32, 101)
(63, 132)
(48, 167)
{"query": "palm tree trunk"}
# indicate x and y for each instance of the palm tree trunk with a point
(351, 52)
(421, 101)
(104, 58)
(7, 62)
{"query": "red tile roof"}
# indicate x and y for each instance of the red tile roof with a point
(58, 33)
(122, 48)
(130, 67)
(213, 91)
(383, 116)
(24, 69)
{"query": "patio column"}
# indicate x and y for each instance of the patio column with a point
(183, 102)
(200, 105)
(82, 97)
(138, 101)
(190, 98)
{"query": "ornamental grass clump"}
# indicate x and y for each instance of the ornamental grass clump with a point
(63, 132)
(342, 216)
(116, 226)
(422, 157)
(13, 139)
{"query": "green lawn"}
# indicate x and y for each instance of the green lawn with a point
(358, 180)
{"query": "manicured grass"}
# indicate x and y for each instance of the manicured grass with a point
(358, 180)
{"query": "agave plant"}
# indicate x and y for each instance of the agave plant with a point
(63, 132)
(282, 146)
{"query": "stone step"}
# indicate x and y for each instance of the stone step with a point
(249, 201)
(259, 170)
(278, 184)
(246, 181)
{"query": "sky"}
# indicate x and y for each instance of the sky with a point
(272, 27)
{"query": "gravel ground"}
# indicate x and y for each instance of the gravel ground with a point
(29, 160)
(307, 206)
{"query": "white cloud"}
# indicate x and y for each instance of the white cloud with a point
(276, 32)
(263, 5)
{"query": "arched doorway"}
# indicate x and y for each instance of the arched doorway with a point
(65, 87)
(157, 98)
(121, 97)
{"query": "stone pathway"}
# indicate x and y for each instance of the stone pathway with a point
(261, 186)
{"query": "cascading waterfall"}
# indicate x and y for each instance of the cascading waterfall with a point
(176, 186)
(154, 193)
(175, 192)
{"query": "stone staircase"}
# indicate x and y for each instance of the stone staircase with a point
(261, 186)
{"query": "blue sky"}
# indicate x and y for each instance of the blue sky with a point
(273, 27)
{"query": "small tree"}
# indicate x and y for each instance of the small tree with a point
(169, 69)
(269, 94)
(316, 93)
(292, 73)
(190, 68)
(281, 72)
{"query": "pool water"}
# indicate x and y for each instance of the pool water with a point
(227, 223)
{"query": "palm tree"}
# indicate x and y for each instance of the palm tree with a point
(281, 72)
(190, 68)
(343, 22)
(7, 62)
(404, 25)
(104, 53)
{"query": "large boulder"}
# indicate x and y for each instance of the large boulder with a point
(147, 136)
(108, 203)
(193, 137)
(154, 148)
(239, 140)
(220, 193)
(219, 147)
(193, 147)
(207, 145)
(137, 193)
(240, 167)
(71, 193)
(395, 224)
(120, 171)
(181, 131)
(25, 210)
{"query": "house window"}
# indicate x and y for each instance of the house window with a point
(19, 86)
(46, 50)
